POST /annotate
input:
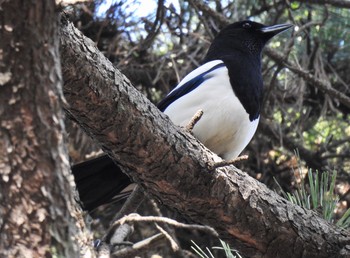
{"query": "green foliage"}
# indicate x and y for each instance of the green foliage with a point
(326, 129)
(319, 195)
(208, 254)
(294, 5)
(344, 221)
(228, 250)
(201, 252)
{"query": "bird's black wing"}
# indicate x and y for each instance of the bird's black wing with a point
(186, 88)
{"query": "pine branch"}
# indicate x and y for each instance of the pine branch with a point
(172, 164)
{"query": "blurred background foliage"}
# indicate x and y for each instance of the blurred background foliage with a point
(156, 43)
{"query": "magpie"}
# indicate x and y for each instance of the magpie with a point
(228, 87)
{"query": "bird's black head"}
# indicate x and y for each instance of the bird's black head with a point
(239, 46)
(245, 37)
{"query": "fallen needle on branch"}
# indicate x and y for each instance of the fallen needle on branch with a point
(225, 163)
(194, 120)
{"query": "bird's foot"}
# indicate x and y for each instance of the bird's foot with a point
(225, 163)
(194, 120)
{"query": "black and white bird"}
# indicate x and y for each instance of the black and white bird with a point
(228, 87)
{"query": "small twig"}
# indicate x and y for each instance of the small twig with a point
(194, 120)
(225, 163)
(203, 20)
(312, 79)
(174, 246)
(136, 217)
(175, 68)
(170, 230)
(139, 248)
(207, 11)
(156, 26)
(155, 208)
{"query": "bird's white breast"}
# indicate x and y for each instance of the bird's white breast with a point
(225, 127)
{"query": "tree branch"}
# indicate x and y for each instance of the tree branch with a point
(207, 11)
(278, 58)
(322, 85)
(172, 165)
(335, 3)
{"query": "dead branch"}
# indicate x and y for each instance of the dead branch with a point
(174, 246)
(139, 248)
(134, 217)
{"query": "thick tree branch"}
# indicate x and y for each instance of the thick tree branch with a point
(172, 165)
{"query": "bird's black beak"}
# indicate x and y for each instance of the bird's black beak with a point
(275, 29)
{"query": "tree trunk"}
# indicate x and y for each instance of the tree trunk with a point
(172, 166)
(37, 209)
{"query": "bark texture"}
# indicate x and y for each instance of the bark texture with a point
(172, 165)
(36, 201)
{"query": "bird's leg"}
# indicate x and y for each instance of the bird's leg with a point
(194, 120)
(225, 163)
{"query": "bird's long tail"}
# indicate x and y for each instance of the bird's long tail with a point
(99, 181)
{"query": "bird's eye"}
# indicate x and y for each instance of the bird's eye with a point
(246, 25)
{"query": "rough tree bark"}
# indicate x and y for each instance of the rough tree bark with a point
(37, 208)
(172, 165)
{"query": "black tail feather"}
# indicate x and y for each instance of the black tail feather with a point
(98, 181)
